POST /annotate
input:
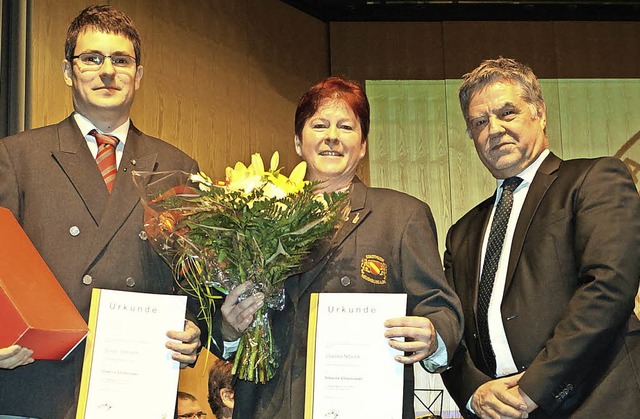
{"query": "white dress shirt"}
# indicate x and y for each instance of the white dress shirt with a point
(505, 365)
(120, 133)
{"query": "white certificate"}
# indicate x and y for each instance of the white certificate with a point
(128, 372)
(351, 371)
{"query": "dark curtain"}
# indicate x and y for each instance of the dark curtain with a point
(13, 66)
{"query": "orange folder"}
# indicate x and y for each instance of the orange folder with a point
(35, 312)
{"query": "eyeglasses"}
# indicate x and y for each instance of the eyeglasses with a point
(95, 59)
(198, 415)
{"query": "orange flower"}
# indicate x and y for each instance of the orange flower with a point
(166, 221)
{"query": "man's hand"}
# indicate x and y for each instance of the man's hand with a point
(15, 356)
(531, 405)
(420, 337)
(500, 398)
(237, 315)
(185, 350)
(636, 309)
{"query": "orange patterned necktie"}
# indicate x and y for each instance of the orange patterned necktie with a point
(106, 157)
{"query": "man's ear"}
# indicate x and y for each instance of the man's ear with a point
(139, 74)
(67, 72)
(542, 114)
(227, 396)
(298, 144)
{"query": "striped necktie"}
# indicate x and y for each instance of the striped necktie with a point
(106, 157)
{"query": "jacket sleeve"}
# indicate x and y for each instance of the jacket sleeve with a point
(606, 250)
(424, 281)
(463, 377)
(9, 195)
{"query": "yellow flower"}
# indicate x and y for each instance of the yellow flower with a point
(298, 173)
(271, 190)
(203, 181)
(319, 197)
(246, 179)
(275, 161)
(257, 166)
(293, 184)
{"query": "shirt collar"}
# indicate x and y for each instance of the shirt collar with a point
(86, 126)
(529, 173)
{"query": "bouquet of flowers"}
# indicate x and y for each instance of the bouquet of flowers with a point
(257, 225)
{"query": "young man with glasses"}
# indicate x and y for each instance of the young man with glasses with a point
(188, 407)
(83, 216)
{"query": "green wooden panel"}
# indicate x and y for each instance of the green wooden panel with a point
(551, 95)
(419, 144)
(471, 183)
(408, 148)
(599, 116)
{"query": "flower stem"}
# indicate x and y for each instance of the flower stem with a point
(255, 359)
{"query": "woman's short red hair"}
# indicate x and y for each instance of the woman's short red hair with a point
(334, 88)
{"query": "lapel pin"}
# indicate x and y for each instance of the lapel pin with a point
(356, 218)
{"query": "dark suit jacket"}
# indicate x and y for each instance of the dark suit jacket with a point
(51, 183)
(391, 225)
(572, 276)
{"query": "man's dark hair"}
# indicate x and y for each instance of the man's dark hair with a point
(106, 19)
(219, 378)
(183, 396)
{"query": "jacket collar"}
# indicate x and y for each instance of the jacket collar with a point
(545, 176)
(478, 226)
(109, 211)
(315, 263)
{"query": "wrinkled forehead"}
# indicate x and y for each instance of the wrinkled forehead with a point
(498, 84)
(496, 94)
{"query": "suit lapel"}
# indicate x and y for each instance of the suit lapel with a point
(543, 179)
(357, 213)
(314, 265)
(124, 196)
(473, 243)
(75, 159)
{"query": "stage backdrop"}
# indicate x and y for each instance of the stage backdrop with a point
(222, 80)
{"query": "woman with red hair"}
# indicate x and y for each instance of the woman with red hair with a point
(387, 245)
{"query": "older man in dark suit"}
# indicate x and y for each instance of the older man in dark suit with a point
(546, 269)
(75, 198)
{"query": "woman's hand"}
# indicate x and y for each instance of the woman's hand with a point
(419, 335)
(237, 315)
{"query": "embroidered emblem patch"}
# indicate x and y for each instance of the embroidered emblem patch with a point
(373, 268)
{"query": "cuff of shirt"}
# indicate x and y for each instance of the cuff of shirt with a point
(469, 408)
(438, 359)
(229, 348)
